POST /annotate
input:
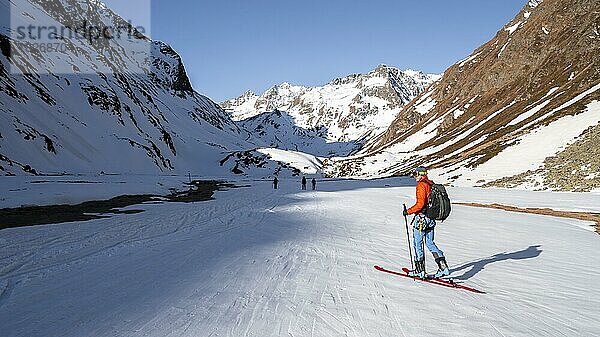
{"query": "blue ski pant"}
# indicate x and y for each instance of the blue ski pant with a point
(423, 234)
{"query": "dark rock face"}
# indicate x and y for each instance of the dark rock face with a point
(179, 81)
(5, 45)
(182, 82)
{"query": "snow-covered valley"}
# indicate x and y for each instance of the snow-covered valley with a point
(123, 120)
(262, 262)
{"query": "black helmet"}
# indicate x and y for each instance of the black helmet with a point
(420, 171)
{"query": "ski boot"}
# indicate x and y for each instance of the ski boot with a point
(419, 269)
(442, 267)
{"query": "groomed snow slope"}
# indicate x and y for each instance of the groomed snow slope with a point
(260, 262)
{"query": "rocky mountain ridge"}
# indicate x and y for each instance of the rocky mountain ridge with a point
(347, 111)
(118, 105)
(500, 116)
(523, 110)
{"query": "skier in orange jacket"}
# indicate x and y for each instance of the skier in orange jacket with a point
(423, 228)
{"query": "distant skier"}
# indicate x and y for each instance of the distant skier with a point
(314, 183)
(275, 182)
(303, 183)
(423, 228)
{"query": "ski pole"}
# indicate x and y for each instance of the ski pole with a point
(408, 240)
(423, 249)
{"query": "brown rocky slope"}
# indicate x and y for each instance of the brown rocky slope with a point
(542, 66)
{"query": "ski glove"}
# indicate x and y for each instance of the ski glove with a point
(405, 212)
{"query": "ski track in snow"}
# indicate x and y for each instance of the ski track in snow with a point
(260, 262)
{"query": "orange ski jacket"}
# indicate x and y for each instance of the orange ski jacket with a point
(423, 191)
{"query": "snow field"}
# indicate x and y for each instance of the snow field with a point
(263, 262)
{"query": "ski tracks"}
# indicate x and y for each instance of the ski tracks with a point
(264, 263)
(296, 284)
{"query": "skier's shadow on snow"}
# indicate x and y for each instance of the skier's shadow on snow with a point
(477, 266)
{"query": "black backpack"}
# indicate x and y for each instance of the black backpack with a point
(438, 206)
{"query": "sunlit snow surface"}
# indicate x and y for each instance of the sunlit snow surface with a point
(306, 163)
(530, 150)
(262, 262)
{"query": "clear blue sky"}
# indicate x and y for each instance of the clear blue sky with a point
(230, 46)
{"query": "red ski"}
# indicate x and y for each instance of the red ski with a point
(438, 281)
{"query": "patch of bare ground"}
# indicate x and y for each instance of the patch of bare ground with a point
(53, 214)
(595, 217)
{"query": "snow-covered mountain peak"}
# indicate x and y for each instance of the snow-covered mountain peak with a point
(283, 86)
(249, 93)
(75, 110)
(345, 79)
(347, 110)
(413, 73)
(282, 89)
